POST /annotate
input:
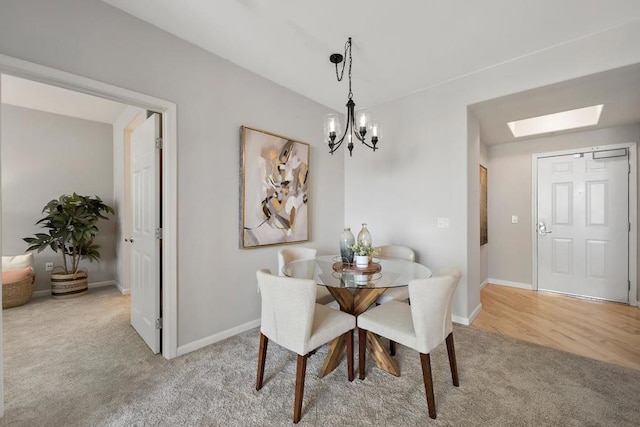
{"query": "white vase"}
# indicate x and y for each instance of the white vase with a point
(361, 260)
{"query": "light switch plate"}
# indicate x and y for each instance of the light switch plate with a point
(514, 219)
(443, 222)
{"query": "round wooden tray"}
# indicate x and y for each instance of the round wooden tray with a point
(341, 267)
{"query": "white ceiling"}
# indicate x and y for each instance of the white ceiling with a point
(399, 47)
(52, 99)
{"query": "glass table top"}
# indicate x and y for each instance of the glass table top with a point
(394, 273)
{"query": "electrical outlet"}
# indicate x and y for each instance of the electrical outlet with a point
(48, 266)
(443, 222)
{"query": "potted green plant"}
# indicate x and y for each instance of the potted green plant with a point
(362, 251)
(71, 224)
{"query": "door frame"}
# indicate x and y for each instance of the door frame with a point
(633, 210)
(168, 110)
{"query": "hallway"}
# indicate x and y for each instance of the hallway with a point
(599, 330)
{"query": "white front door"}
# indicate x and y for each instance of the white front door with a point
(583, 224)
(145, 247)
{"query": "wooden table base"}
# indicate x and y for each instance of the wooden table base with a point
(355, 301)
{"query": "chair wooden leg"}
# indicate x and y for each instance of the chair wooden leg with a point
(452, 359)
(301, 368)
(392, 347)
(350, 373)
(262, 357)
(425, 359)
(362, 348)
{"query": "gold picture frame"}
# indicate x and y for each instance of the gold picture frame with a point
(484, 226)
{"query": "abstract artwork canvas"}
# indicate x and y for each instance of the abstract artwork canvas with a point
(274, 195)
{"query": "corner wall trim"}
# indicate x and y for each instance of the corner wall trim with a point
(528, 286)
(211, 339)
(466, 321)
(122, 290)
(475, 313)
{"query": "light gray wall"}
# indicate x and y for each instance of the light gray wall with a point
(43, 156)
(427, 165)
(511, 194)
(216, 280)
(419, 174)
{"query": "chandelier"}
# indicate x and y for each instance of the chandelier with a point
(332, 125)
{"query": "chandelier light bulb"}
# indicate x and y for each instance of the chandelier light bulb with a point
(375, 129)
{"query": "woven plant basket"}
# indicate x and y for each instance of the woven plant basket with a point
(69, 285)
(18, 293)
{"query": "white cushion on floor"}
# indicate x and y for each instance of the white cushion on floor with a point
(16, 262)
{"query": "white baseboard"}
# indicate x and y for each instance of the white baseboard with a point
(528, 286)
(483, 284)
(203, 342)
(47, 292)
(466, 321)
(475, 313)
(122, 290)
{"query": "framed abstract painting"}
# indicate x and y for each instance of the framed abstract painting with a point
(274, 193)
(484, 227)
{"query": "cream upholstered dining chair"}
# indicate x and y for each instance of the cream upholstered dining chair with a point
(285, 255)
(292, 319)
(395, 294)
(423, 325)
(395, 252)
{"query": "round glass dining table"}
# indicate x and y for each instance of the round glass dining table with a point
(393, 273)
(355, 290)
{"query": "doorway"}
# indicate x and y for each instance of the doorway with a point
(47, 75)
(583, 215)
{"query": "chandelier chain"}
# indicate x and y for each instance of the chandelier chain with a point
(350, 63)
(339, 76)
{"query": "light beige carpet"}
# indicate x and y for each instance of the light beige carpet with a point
(79, 363)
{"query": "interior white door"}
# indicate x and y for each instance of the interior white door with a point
(145, 247)
(583, 224)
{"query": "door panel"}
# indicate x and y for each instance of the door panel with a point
(145, 247)
(582, 225)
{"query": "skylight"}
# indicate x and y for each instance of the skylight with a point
(587, 116)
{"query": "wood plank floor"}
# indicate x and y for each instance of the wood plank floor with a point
(599, 330)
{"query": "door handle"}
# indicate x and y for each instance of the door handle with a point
(542, 229)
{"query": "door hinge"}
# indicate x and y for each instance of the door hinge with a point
(159, 143)
(629, 285)
(629, 227)
(159, 233)
(159, 323)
